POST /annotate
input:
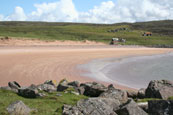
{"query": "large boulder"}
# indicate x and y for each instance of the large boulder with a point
(141, 93)
(28, 92)
(74, 83)
(63, 85)
(130, 108)
(132, 94)
(46, 87)
(51, 82)
(160, 107)
(93, 89)
(14, 86)
(18, 108)
(159, 89)
(115, 94)
(93, 106)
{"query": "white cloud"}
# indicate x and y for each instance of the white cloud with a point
(18, 15)
(63, 10)
(106, 12)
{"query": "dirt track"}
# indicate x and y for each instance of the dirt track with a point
(34, 65)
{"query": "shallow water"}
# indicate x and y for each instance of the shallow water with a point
(135, 72)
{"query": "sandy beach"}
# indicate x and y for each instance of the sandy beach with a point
(34, 65)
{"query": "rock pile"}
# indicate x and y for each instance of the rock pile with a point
(101, 100)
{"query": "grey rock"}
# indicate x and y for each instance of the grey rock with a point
(74, 83)
(28, 92)
(6, 88)
(63, 87)
(14, 86)
(81, 90)
(115, 94)
(141, 93)
(93, 106)
(130, 108)
(159, 89)
(144, 106)
(132, 94)
(51, 82)
(18, 108)
(59, 94)
(160, 107)
(46, 87)
(93, 89)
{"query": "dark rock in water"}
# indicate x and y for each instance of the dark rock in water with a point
(130, 108)
(28, 92)
(46, 87)
(14, 85)
(160, 89)
(141, 93)
(115, 94)
(93, 106)
(93, 89)
(18, 108)
(132, 94)
(74, 83)
(51, 82)
(160, 107)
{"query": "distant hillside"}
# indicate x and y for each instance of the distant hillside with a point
(132, 32)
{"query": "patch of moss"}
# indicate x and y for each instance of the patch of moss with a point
(145, 100)
(170, 98)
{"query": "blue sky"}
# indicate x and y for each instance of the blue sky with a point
(87, 11)
(7, 6)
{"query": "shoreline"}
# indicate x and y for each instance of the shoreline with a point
(37, 64)
(106, 68)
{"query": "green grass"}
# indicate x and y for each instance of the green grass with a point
(145, 100)
(49, 105)
(162, 32)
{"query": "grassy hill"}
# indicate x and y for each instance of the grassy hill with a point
(162, 31)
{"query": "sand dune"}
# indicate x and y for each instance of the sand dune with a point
(28, 65)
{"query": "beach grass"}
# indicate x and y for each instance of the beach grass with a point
(49, 105)
(162, 32)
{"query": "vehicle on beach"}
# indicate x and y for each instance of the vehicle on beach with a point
(117, 40)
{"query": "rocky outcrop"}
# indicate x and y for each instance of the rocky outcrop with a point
(115, 94)
(141, 93)
(46, 87)
(160, 107)
(160, 89)
(14, 86)
(74, 84)
(28, 92)
(132, 94)
(130, 108)
(93, 106)
(51, 82)
(18, 108)
(93, 89)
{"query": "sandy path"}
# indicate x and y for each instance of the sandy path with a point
(34, 65)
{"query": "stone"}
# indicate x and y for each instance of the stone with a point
(93, 89)
(81, 90)
(141, 93)
(51, 82)
(46, 87)
(160, 107)
(63, 87)
(28, 92)
(6, 88)
(111, 86)
(74, 84)
(144, 106)
(93, 106)
(162, 89)
(18, 108)
(14, 86)
(115, 94)
(59, 94)
(130, 108)
(132, 94)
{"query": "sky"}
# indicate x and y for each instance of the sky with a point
(88, 11)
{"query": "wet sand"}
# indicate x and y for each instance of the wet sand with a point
(34, 65)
